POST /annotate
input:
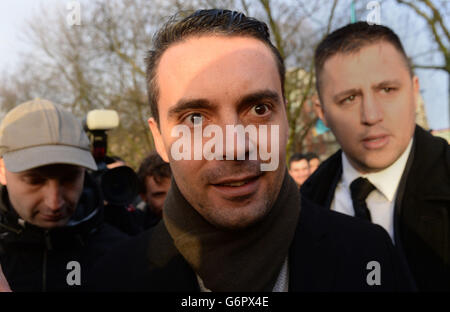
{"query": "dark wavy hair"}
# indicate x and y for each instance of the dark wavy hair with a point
(152, 166)
(203, 22)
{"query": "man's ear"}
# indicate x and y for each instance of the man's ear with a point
(318, 109)
(416, 90)
(2, 172)
(287, 121)
(157, 137)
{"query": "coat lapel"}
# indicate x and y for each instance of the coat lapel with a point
(320, 186)
(422, 212)
(310, 268)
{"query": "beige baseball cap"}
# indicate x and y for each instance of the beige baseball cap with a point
(38, 133)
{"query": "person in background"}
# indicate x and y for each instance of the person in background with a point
(389, 170)
(51, 210)
(313, 161)
(154, 182)
(299, 168)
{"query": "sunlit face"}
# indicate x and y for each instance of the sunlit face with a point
(369, 101)
(155, 193)
(299, 171)
(45, 196)
(223, 81)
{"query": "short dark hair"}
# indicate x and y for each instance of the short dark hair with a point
(351, 38)
(152, 166)
(311, 155)
(297, 157)
(203, 22)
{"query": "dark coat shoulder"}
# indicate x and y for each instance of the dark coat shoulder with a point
(335, 252)
(148, 262)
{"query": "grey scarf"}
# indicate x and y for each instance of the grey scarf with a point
(243, 260)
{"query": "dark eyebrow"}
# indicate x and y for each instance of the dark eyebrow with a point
(387, 83)
(185, 105)
(258, 96)
(345, 93)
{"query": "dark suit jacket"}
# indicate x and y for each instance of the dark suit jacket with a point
(330, 252)
(422, 209)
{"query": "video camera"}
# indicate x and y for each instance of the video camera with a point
(119, 185)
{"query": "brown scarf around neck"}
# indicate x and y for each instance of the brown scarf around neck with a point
(244, 260)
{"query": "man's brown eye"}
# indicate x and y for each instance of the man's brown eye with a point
(261, 109)
(348, 99)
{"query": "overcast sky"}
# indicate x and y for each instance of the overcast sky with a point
(434, 84)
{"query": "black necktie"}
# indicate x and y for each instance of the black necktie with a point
(360, 189)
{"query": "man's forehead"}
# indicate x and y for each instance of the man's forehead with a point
(208, 48)
(215, 68)
(378, 61)
(207, 54)
(299, 163)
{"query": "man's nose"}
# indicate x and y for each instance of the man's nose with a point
(371, 110)
(54, 194)
(239, 140)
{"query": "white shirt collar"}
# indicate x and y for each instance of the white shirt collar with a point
(386, 181)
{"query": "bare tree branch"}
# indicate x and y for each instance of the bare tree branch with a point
(438, 17)
(430, 67)
(431, 23)
(273, 27)
(245, 7)
(330, 19)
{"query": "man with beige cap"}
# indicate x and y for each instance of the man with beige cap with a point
(51, 228)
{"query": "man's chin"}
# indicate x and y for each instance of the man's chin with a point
(48, 225)
(234, 216)
(376, 163)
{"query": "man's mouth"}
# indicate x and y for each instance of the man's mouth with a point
(237, 186)
(238, 183)
(375, 141)
(52, 217)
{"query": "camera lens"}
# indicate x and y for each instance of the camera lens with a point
(119, 185)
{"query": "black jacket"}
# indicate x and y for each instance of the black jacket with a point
(34, 259)
(422, 208)
(330, 252)
(125, 218)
